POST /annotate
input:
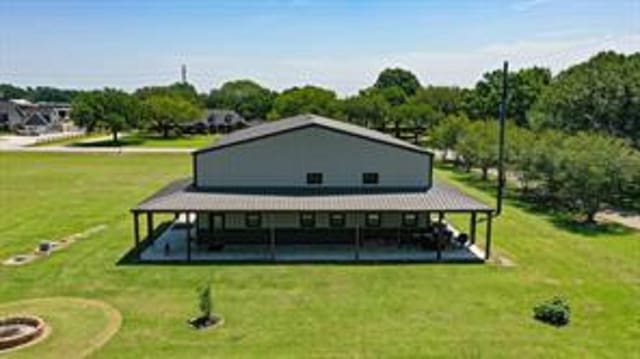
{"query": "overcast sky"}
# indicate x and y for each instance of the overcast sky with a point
(337, 44)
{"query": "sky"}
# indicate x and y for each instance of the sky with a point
(341, 45)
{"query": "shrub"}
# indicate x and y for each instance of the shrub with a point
(555, 312)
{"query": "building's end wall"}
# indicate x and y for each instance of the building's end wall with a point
(284, 160)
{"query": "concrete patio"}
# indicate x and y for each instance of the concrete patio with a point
(176, 238)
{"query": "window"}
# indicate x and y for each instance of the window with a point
(307, 220)
(410, 219)
(336, 220)
(253, 220)
(314, 178)
(370, 178)
(373, 220)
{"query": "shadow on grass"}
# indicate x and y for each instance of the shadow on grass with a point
(123, 142)
(560, 219)
(130, 140)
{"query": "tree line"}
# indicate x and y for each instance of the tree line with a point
(580, 172)
(572, 138)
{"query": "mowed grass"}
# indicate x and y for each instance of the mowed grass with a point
(425, 310)
(152, 141)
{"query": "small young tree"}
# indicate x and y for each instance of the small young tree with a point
(205, 303)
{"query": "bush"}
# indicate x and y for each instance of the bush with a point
(555, 312)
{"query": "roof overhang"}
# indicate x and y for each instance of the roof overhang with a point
(182, 196)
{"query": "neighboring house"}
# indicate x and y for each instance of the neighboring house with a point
(25, 117)
(309, 180)
(217, 121)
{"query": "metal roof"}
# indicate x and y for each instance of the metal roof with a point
(303, 121)
(182, 196)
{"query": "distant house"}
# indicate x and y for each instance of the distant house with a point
(218, 121)
(306, 186)
(25, 117)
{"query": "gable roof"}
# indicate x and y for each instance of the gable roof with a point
(305, 121)
(36, 119)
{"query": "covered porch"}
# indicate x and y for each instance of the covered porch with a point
(432, 239)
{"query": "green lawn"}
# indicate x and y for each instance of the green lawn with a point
(152, 141)
(425, 310)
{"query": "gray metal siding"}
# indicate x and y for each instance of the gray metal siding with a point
(283, 160)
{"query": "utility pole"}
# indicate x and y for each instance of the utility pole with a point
(503, 115)
(183, 72)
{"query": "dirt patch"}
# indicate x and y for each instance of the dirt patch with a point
(48, 247)
(631, 220)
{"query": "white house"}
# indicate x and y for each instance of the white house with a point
(309, 180)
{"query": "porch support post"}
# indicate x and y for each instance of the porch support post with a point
(472, 227)
(440, 236)
(487, 249)
(150, 225)
(136, 229)
(188, 226)
(272, 237)
(357, 243)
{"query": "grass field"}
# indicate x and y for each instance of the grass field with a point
(152, 141)
(314, 310)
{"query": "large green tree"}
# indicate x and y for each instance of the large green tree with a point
(445, 99)
(111, 109)
(366, 109)
(308, 99)
(397, 77)
(183, 90)
(601, 94)
(524, 88)
(164, 113)
(593, 171)
(246, 97)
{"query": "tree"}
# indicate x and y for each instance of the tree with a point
(246, 97)
(397, 77)
(366, 109)
(524, 89)
(182, 90)
(8, 91)
(301, 100)
(414, 115)
(110, 108)
(445, 99)
(166, 112)
(205, 302)
(478, 146)
(593, 170)
(446, 135)
(601, 94)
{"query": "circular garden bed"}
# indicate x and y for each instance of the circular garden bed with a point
(56, 327)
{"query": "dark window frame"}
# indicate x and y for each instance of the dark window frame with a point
(370, 178)
(303, 221)
(315, 178)
(223, 221)
(341, 223)
(373, 224)
(247, 220)
(411, 224)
